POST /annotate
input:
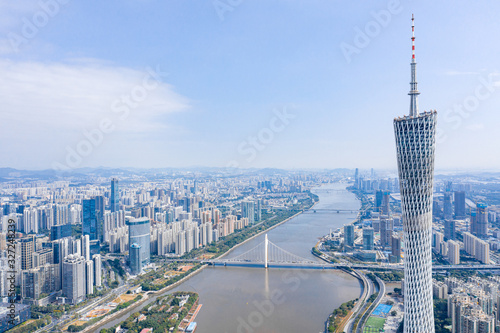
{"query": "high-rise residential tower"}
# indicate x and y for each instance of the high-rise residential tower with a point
(248, 211)
(97, 269)
(27, 245)
(73, 279)
(86, 247)
(415, 146)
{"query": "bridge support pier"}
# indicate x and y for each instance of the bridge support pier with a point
(266, 245)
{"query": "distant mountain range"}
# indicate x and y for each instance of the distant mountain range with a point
(11, 174)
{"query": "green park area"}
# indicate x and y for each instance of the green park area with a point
(374, 324)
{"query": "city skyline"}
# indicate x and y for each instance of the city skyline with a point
(213, 86)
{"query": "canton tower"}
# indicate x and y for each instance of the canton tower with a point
(415, 145)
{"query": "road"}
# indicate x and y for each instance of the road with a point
(381, 293)
(362, 304)
(349, 321)
(65, 319)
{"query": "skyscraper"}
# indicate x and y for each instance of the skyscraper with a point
(447, 207)
(460, 205)
(89, 277)
(453, 252)
(60, 231)
(97, 269)
(89, 220)
(378, 200)
(61, 249)
(368, 235)
(93, 217)
(349, 235)
(386, 228)
(61, 214)
(27, 249)
(139, 233)
(396, 248)
(386, 197)
(115, 196)
(73, 280)
(481, 220)
(31, 283)
(86, 247)
(258, 215)
(449, 186)
(449, 229)
(248, 211)
(99, 206)
(415, 145)
(135, 258)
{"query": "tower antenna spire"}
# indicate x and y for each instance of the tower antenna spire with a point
(413, 84)
(412, 38)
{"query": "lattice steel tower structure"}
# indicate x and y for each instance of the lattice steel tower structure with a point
(415, 145)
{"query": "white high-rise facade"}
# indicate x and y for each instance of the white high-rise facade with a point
(415, 146)
(73, 280)
(97, 269)
(89, 277)
(86, 247)
(453, 252)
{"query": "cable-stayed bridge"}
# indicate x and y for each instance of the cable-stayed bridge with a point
(266, 253)
(330, 211)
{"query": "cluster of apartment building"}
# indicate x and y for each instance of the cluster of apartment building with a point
(473, 304)
(61, 230)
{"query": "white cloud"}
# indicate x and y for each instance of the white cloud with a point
(48, 106)
(79, 94)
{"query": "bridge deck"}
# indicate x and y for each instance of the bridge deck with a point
(276, 257)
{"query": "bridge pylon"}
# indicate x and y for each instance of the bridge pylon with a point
(266, 245)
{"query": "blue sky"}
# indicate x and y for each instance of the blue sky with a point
(142, 83)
